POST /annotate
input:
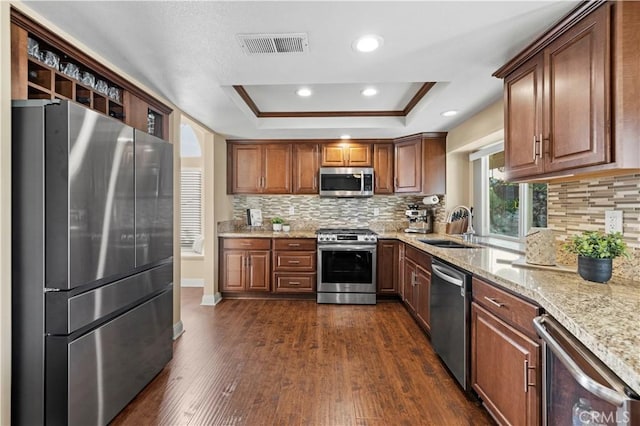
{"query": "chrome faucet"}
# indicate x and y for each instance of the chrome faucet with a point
(470, 232)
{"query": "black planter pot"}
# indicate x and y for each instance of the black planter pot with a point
(596, 270)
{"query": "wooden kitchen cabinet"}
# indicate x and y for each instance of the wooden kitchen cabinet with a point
(294, 265)
(346, 154)
(259, 168)
(306, 166)
(417, 284)
(383, 168)
(567, 96)
(31, 78)
(505, 355)
(420, 164)
(245, 265)
(387, 269)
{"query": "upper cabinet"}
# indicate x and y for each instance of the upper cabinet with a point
(306, 166)
(415, 164)
(44, 66)
(420, 164)
(561, 116)
(383, 168)
(346, 154)
(255, 168)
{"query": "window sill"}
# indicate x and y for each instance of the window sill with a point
(191, 255)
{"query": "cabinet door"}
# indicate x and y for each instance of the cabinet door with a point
(387, 267)
(505, 369)
(434, 165)
(233, 270)
(333, 155)
(358, 155)
(408, 166)
(383, 168)
(245, 169)
(306, 165)
(276, 169)
(259, 271)
(577, 96)
(137, 112)
(410, 279)
(523, 120)
(421, 296)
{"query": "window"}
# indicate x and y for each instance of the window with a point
(508, 210)
(190, 187)
(190, 206)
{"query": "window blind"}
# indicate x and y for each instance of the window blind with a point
(190, 206)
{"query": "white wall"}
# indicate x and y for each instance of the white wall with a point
(484, 128)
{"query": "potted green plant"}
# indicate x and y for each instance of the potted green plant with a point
(595, 252)
(286, 227)
(277, 222)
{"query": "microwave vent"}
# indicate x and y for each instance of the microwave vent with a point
(258, 44)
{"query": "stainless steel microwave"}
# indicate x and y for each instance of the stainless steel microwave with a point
(346, 181)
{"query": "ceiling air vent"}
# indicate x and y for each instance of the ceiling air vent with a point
(256, 44)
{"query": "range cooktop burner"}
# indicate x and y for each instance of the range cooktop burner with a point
(346, 235)
(346, 231)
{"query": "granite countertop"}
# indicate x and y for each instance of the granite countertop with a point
(604, 317)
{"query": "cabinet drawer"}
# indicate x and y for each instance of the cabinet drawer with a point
(294, 243)
(247, 243)
(510, 308)
(419, 257)
(294, 283)
(295, 261)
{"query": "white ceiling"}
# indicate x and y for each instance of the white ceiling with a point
(188, 51)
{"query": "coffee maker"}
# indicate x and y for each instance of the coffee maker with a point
(420, 220)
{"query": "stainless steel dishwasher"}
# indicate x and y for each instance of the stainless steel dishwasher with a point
(449, 304)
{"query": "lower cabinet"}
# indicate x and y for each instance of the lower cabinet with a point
(505, 356)
(294, 265)
(387, 269)
(416, 272)
(245, 265)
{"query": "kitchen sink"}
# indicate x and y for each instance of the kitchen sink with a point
(446, 244)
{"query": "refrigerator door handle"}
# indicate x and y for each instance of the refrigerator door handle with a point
(576, 372)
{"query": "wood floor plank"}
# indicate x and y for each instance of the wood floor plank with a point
(278, 362)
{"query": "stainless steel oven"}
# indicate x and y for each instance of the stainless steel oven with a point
(346, 266)
(577, 388)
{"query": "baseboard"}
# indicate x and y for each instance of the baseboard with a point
(211, 299)
(178, 329)
(191, 282)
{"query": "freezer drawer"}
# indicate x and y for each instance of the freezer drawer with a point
(67, 313)
(104, 369)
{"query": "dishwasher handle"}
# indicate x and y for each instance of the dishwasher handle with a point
(442, 273)
(576, 372)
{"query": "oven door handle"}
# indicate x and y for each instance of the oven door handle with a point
(576, 372)
(347, 247)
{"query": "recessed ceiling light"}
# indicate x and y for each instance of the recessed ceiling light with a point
(369, 91)
(304, 92)
(449, 113)
(367, 43)
(345, 136)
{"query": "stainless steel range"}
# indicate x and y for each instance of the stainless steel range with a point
(347, 266)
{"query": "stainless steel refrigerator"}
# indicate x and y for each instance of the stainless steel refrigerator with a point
(92, 265)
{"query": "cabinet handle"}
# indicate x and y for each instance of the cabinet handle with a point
(294, 245)
(294, 262)
(315, 182)
(246, 244)
(396, 182)
(262, 180)
(294, 282)
(526, 376)
(494, 302)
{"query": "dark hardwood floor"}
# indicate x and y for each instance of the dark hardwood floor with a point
(277, 362)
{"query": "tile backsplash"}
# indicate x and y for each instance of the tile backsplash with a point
(578, 206)
(311, 211)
